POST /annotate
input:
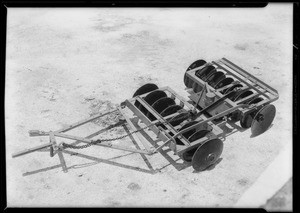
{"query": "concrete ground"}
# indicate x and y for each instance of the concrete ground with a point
(63, 65)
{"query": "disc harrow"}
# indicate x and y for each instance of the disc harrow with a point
(219, 92)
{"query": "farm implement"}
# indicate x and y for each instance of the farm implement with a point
(220, 92)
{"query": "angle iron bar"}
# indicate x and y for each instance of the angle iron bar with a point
(180, 98)
(139, 137)
(141, 116)
(59, 153)
(33, 149)
(198, 68)
(33, 133)
(161, 135)
(195, 78)
(226, 87)
(242, 81)
(193, 144)
(247, 98)
(251, 77)
(85, 140)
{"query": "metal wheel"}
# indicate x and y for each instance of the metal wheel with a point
(204, 71)
(151, 98)
(194, 65)
(207, 154)
(145, 88)
(263, 119)
(209, 74)
(170, 110)
(215, 78)
(188, 155)
(232, 88)
(224, 82)
(142, 90)
(187, 81)
(178, 119)
(160, 105)
(196, 87)
(255, 100)
(188, 133)
(246, 119)
(243, 94)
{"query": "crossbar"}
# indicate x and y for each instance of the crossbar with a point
(27, 151)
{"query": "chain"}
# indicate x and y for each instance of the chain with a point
(94, 142)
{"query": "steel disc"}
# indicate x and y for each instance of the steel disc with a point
(263, 119)
(188, 133)
(179, 118)
(162, 104)
(232, 88)
(145, 88)
(186, 81)
(210, 73)
(216, 78)
(207, 154)
(154, 96)
(188, 155)
(170, 110)
(196, 87)
(159, 106)
(224, 82)
(151, 98)
(195, 64)
(204, 71)
(243, 94)
(246, 119)
(255, 100)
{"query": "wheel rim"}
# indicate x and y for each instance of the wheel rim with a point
(263, 119)
(207, 154)
(188, 155)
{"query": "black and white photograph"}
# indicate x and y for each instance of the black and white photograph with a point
(149, 107)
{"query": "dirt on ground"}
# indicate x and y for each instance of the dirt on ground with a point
(64, 65)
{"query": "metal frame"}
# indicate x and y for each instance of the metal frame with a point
(202, 121)
(249, 81)
(133, 123)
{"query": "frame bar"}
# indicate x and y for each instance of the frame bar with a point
(85, 140)
(249, 76)
(27, 151)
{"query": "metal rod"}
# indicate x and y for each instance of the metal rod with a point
(27, 151)
(214, 104)
(139, 137)
(247, 98)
